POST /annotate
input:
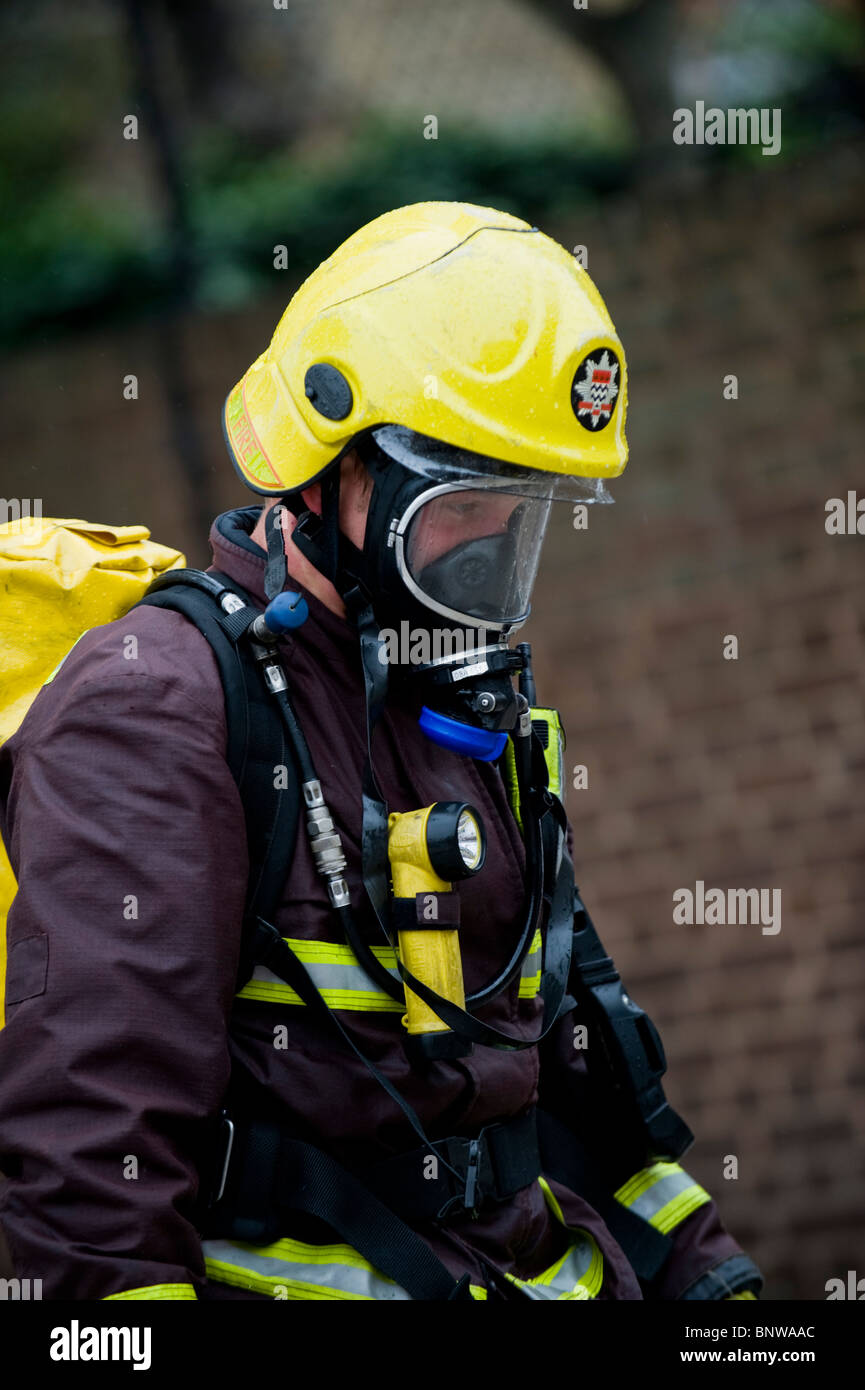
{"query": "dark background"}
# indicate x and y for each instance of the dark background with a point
(261, 127)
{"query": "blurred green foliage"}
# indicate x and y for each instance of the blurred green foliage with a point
(68, 259)
(85, 233)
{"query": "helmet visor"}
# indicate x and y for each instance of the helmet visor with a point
(468, 546)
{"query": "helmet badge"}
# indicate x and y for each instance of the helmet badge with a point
(593, 397)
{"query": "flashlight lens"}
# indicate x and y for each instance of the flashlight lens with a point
(455, 840)
(469, 840)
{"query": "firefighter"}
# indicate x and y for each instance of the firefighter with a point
(387, 1101)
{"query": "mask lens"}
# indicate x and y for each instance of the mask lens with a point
(476, 551)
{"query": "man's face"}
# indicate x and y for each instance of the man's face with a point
(454, 518)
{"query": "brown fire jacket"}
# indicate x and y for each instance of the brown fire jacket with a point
(125, 830)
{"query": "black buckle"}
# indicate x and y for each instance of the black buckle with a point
(471, 1160)
(470, 1194)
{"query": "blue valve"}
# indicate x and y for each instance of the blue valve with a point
(286, 612)
(467, 739)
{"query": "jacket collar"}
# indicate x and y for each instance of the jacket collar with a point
(242, 559)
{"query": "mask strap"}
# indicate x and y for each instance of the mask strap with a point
(374, 835)
(276, 574)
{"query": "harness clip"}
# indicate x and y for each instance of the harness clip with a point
(227, 1143)
(470, 1196)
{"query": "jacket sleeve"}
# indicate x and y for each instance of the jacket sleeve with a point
(126, 834)
(704, 1261)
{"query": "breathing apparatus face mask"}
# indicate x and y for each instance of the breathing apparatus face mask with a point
(458, 532)
(452, 546)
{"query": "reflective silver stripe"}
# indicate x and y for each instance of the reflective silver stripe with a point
(579, 1273)
(289, 1269)
(344, 984)
(574, 1276)
(530, 976)
(662, 1194)
(335, 972)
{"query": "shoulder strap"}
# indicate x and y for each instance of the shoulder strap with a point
(256, 747)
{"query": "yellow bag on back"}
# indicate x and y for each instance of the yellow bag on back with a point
(58, 579)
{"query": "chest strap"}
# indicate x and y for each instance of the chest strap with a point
(491, 1168)
(271, 1174)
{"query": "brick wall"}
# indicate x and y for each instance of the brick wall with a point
(741, 773)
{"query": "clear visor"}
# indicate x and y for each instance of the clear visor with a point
(469, 546)
(443, 463)
(474, 552)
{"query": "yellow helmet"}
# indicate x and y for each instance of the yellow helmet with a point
(457, 322)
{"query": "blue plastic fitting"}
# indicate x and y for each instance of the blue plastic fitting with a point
(485, 744)
(287, 611)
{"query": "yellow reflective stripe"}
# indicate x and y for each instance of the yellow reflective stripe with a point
(336, 974)
(244, 443)
(331, 953)
(508, 769)
(153, 1291)
(593, 1277)
(551, 1201)
(662, 1194)
(530, 980)
(553, 757)
(49, 679)
(628, 1193)
(292, 1269)
(555, 749)
(277, 992)
(578, 1274)
(674, 1213)
(746, 1294)
(240, 1278)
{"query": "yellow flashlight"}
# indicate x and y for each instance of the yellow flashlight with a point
(429, 850)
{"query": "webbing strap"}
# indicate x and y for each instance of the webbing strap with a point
(502, 1160)
(280, 1175)
(375, 813)
(256, 740)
